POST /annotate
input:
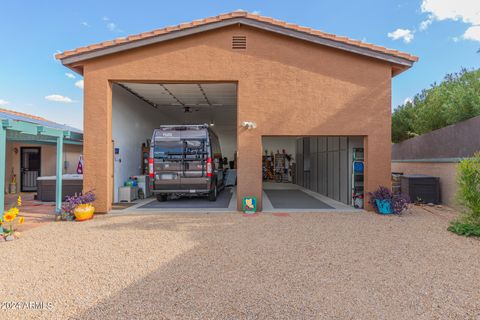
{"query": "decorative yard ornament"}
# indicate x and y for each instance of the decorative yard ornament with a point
(80, 165)
(249, 205)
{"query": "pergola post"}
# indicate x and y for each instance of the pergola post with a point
(3, 147)
(58, 190)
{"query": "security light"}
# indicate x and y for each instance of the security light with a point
(249, 124)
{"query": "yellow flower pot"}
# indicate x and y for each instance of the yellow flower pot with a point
(84, 212)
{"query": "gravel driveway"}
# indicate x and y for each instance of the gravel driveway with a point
(321, 265)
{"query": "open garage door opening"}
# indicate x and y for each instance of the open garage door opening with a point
(174, 145)
(313, 173)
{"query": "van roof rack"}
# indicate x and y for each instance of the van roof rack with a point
(184, 127)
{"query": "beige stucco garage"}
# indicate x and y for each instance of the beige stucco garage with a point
(291, 81)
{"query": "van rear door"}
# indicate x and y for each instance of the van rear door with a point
(194, 175)
(167, 164)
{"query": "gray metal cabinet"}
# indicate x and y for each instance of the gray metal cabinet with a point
(343, 176)
(313, 164)
(299, 158)
(306, 163)
(323, 166)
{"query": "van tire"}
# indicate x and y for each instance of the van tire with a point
(212, 196)
(161, 197)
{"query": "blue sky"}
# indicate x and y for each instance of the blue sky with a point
(444, 33)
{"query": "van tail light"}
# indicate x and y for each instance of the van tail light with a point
(150, 167)
(209, 167)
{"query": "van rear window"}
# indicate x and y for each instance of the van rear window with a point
(168, 149)
(195, 149)
(192, 149)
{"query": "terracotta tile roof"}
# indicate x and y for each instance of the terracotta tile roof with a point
(232, 15)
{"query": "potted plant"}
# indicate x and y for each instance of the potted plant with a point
(385, 202)
(8, 220)
(78, 207)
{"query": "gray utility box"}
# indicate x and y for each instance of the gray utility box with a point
(71, 185)
(421, 187)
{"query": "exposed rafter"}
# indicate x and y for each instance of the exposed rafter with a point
(172, 95)
(138, 96)
(204, 95)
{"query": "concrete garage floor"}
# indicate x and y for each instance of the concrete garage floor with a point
(277, 197)
(226, 202)
(224, 198)
(289, 197)
(227, 266)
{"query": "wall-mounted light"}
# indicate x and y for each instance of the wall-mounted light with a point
(249, 124)
(212, 124)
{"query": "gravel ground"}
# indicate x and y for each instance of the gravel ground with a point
(217, 266)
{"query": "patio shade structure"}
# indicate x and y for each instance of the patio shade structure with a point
(27, 130)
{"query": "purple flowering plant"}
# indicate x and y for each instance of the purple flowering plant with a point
(71, 202)
(399, 202)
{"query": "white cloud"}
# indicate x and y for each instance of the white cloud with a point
(4, 103)
(112, 26)
(407, 99)
(426, 23)
(467, 11)
(405, 34)
(79, 84)
(58, 98)
(85, 24)
(70, 75)
(472, 33)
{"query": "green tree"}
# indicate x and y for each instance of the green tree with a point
(456, 98)
(402, 122)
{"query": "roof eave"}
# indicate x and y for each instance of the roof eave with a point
(73, 61)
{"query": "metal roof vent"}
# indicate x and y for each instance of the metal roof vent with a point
(239, 42)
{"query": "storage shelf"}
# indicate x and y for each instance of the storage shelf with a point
(357, 182)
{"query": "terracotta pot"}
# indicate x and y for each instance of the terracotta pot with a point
(84, 212)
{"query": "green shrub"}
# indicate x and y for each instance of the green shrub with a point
(468, 194)
(468, 180)
(464, 229)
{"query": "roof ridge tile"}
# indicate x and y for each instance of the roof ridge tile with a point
(231, 15)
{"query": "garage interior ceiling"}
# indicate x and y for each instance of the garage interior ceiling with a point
(192, 102)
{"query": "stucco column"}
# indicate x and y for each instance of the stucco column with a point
(249, 166)
(377, 164)
(3, 147)
(98, 153)
(59, 175)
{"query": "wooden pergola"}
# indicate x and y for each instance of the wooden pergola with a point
(30, 132)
